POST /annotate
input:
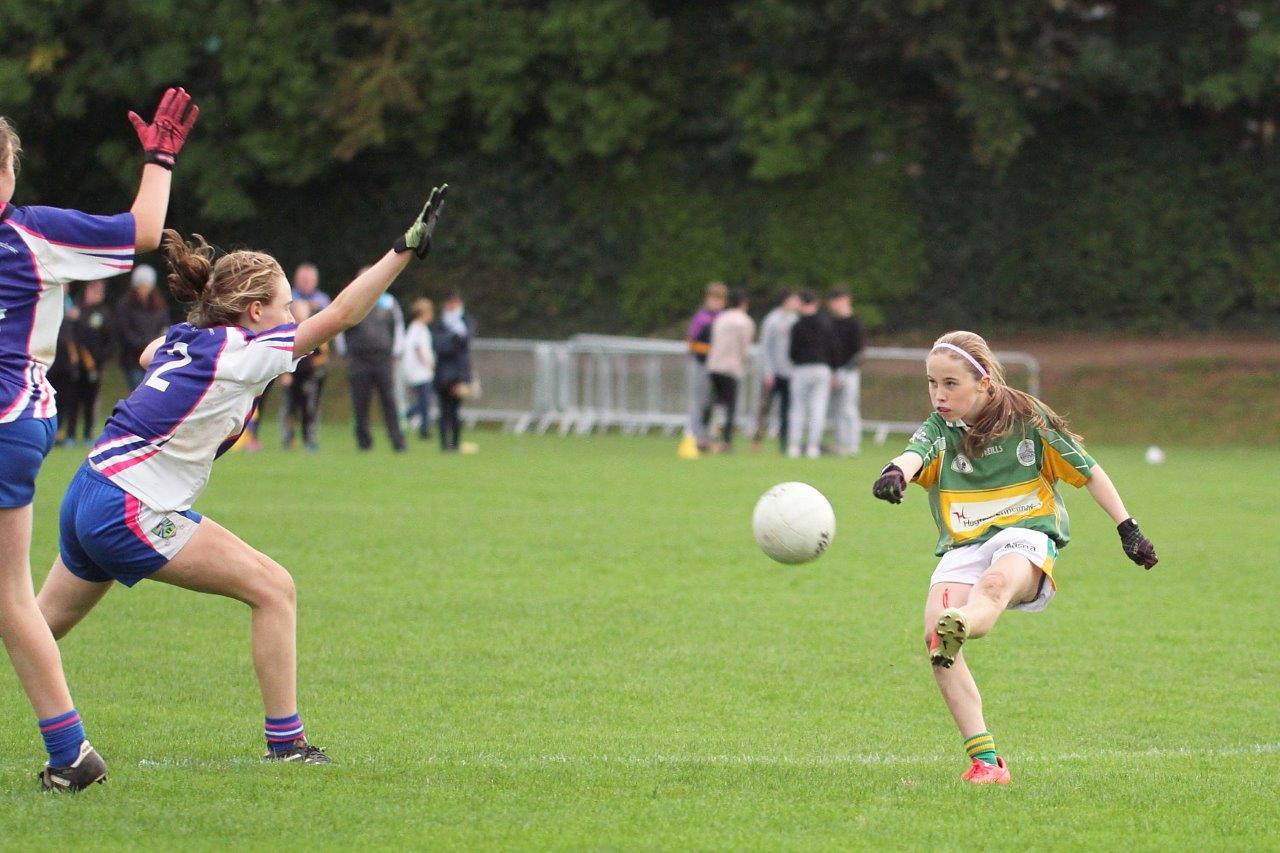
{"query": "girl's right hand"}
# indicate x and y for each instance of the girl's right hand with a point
(891, 484)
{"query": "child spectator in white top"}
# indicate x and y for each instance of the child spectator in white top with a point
(731, 334)
(418, 365)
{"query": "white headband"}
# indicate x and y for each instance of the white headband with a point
(968, 358)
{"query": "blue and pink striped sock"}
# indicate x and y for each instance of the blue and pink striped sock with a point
(62, 735)
(281, 732)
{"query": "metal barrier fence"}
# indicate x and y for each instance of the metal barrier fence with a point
(634, 385)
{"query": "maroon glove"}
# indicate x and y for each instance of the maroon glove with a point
(164, 137)
(1136, 546)
(891, 484)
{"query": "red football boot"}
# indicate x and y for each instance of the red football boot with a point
(982, 773)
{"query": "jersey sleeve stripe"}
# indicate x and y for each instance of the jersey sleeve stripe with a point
(76, 246)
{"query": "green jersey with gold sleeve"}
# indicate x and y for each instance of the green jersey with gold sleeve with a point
(1012, 484)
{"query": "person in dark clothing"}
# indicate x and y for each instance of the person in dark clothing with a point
(846, 385)
(141, 317)
(813, 354)
(451, 335)
(372, 347)
(302, 391)
(64, 373)
(91, 336)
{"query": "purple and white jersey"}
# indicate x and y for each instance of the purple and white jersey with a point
(41, 249)
(197, 397)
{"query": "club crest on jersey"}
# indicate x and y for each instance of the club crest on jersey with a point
(961, 464)
(164, 530)
(1027, 452)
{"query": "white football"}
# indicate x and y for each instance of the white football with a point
(793, 523)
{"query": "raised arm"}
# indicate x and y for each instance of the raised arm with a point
(357, 299)
(161, 140)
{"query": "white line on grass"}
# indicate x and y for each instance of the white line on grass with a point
(493, 760)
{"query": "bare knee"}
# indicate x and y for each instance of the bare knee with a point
(273, 586)
(994, 584)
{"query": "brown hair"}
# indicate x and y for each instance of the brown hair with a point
(421, 307)
(717, 289)
(1005, 406)
(217, 292)
(10, 145)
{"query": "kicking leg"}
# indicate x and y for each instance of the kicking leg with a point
(960, 691)
(1012, 579)
(65, 599)
(956, 683)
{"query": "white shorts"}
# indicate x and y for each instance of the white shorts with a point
(967, 563)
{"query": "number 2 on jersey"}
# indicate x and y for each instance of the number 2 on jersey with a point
(154, 380)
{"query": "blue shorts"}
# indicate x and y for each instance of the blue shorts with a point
(105, 533)
(23, 446)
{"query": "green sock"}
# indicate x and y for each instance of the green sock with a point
(982, 747)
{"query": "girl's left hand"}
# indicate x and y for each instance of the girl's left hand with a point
(1136, 546)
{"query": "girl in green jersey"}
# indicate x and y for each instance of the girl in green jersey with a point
(990, 457)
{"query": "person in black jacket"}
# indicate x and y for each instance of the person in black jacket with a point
(813, 354)
(64, 373)
(371, 348)
(846, 386)
(91, 338)
(141, 317)
(451, 335)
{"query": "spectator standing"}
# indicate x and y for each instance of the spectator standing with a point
(306, 287)
(731, 334)
(371, 348)
(451, 336)
(418, 364)
(698, 339)
(64, 373)
(302, 391)
(847, 382)
(813, 353)
(775, 364)
(91, 336)
(141, 317)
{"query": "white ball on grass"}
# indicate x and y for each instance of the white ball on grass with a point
(793, 523)
(1154, 455)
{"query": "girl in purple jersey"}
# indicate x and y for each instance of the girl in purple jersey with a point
(41, 250)
(127, 513)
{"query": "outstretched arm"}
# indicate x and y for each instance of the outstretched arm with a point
(350, 306)
(891, 485)
(161, 140)
(357, 299)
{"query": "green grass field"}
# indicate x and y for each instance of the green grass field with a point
(575, 644)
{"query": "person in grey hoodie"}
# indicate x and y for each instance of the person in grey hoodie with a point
(775, 366)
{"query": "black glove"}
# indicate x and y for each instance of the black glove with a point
(1136, 546)
(891, 484)
(418, 237)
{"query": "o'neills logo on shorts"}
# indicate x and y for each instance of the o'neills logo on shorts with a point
(966, 516)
